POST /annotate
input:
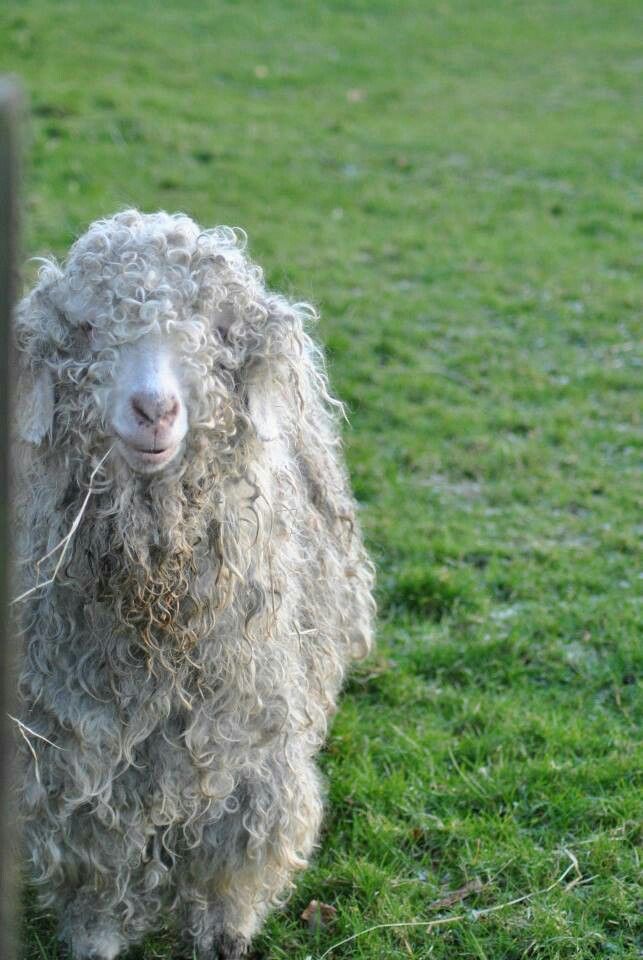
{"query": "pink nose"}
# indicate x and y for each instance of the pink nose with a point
(155, 410)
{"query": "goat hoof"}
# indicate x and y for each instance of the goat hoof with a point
(230, 947)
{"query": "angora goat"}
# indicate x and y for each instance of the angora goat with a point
(178, 452)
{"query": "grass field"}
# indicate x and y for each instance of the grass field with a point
(454, 184)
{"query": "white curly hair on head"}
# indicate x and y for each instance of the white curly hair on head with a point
(181, 666)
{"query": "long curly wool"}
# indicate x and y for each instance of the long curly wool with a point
(187, 657)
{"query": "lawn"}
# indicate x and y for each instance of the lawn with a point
(454, 184)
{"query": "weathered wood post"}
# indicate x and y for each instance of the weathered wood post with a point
(11, 103)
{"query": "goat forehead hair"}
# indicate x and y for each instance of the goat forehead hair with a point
(134, 271)
(131, 238)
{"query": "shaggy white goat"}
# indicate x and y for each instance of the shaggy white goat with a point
(183, 663)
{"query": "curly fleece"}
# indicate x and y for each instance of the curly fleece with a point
(186, 659)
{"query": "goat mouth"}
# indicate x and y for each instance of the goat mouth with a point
(147, 457)
(157, 454)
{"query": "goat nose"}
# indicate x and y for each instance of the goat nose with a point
(154, 409)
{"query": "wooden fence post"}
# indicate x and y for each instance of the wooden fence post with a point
(11, 109)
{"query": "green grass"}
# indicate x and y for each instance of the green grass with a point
(454, 183)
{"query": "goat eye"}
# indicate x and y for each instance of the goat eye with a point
(86, 329)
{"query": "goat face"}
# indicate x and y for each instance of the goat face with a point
(147, 405)
(153, 383)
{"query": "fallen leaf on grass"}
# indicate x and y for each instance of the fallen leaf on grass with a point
(474, 886)
(318, 914)
(375, 670)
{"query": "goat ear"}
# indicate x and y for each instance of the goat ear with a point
(264, 406)
(34, 408)
(35, 404)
